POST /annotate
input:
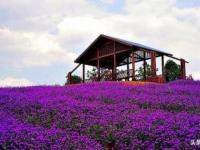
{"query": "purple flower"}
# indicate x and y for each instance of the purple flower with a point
(101, 115)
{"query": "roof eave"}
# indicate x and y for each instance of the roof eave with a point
(77, 60)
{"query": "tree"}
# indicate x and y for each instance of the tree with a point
(141, 71)
(172, 71)
(75, 79)
(92, 74)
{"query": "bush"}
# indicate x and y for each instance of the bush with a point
(75, 79)
(172, 71)
(141, 71)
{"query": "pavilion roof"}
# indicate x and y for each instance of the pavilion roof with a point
(122, 41)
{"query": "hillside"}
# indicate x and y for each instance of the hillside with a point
(100, 115)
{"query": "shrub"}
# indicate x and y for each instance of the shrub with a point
(172, 71)
(75, 79)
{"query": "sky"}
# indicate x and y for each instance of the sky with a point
(40, 39)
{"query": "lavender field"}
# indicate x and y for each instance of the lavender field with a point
(101, 116)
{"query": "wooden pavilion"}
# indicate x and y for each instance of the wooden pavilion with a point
(109, 53)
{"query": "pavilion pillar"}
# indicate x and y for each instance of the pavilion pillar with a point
(163, 67)
(83, 73)
(98, 65)
(114, 70)
(133, 66)
(128, 72)
(69, 78)
(144, 64)
(153, 64)
(183, 70)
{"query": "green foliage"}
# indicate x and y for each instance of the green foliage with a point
(91, 74)
(96, 131)
(45, 119)
(110, 138)
(33, 119)
(48, 119)
(142, 136)
(75, 79)
(108, 100)
(141, 71)
(172, 71)
(63, 124)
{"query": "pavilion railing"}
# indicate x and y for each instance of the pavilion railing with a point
(125, 75)
(104, 76)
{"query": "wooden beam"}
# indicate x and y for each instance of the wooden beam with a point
(107, 55)
(133, 66)
(117, 52)
(69, 75)
(83, 73)
(124, 63)
(114, 64)
(128, 73)
(153, 64)
(98, 65)
(183, 70)
(177, 58)
(149, 50)
(75, 68)
(69, 78)
(139, 56)
(163, 65)
(137, 61)
(144, 64)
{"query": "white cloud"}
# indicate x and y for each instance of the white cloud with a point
(196, 75)
(54, 31)
(32, 49)
(11, 82)
(108, 1)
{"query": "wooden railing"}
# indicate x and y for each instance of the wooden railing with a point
(125, 74)
(69, 75)
(157, 79)
(104, 76)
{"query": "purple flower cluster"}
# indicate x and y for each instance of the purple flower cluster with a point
(101, 116)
